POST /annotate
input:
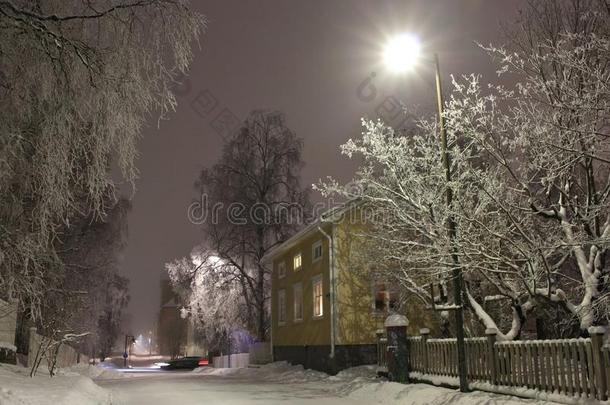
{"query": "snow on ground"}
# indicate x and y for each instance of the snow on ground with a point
(272, 384)
(98, 372)
(71, 386)
(360, 384)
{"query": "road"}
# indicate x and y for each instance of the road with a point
(148, 387)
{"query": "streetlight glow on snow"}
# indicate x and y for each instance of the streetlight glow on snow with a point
(402, 52)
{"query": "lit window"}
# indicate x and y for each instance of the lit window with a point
(386, 297)
(318, 301)
(281, 307)
(297, 262)
(281, 270)
(316, 251)
(297, 294)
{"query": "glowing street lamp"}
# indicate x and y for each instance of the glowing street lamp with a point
(401, 54)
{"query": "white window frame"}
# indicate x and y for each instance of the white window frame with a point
(281, 307)
(314, 281)
(316, 245)
(297, 303)
(294, 261)
(281, 269)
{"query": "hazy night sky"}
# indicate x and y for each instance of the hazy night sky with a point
(307, 59)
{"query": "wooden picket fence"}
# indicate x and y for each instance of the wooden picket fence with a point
(569, 367)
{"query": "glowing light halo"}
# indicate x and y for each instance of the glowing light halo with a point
(402, 52)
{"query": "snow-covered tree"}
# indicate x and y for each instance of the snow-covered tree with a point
(531, 180)
(78, 81)
(401, 187)
(549, 135)
(255, 201)
(211, 296)
(86, 295)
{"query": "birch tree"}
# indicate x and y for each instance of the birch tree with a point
(78, 81)
(205, 285)
(255, 201)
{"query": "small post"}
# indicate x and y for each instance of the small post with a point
(398, 362)
(125, 355)
(425, 333)
(381, 361)
(491, 354)
(32, 346)
(606, 363)
(597, 341)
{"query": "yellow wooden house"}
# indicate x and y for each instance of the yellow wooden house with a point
(325, 308)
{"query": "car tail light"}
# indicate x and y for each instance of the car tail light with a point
(203, 362)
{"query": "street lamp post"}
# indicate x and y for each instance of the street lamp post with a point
(402, 54)
(129, 340)
(451, 232)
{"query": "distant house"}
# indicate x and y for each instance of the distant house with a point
(325, 309)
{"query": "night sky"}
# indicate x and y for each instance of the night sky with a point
(309, 59)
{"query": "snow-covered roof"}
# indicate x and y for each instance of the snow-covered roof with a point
(330, 216)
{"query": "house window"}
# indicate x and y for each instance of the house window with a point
(385, 297)
(318, 301)
(316, 251)
(297, 294)
(281, 270)
(297, 262)
(281, 307)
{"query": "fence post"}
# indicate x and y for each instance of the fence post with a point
(425, 333)
(398, 363)
(32, 346)
(606, 364)
(380, 352)
(597, 341)
(491, 354)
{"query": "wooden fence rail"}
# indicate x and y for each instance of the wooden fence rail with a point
(568, 367)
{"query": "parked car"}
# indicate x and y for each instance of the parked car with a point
(190, 362)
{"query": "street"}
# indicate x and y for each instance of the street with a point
(144, 383)
(185, 387)
(277, 383)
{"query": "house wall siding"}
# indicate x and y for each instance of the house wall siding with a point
(356, 319)
(309, 331)
(308, 342)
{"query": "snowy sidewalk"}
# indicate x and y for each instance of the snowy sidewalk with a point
(68, 388)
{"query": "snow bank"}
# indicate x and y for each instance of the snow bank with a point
(97, 372)
(68, 388)
(283, 371)
(278, 371)
(362, 385)
(424, 394)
